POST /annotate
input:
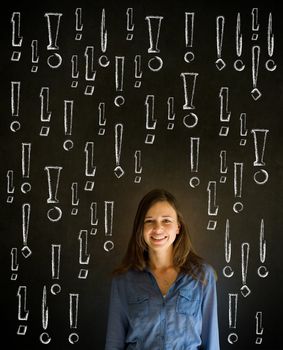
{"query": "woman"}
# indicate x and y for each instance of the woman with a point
(163, 296)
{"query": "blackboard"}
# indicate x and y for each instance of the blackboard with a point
(102, 101)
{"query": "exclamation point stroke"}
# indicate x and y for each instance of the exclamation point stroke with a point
(238, 64)
(245, 250)
(189, 84)
(118, 171)
(53, 178)
(108, 224)
(53, 24)
(26, 152)
(15, 104)
(138, 166)
(260, 136)
(90, 168)
(23, 313)
(270, 64)
(17, 39)
(189, 35)
(45, 114)
(150, 121)
(170, 113)
(26, 210)
(154, 25)
(119, 79)
(68, 123)
(79, 24)
(73, 316)
(34, 56)
(14, 263)
(55, 267)
(75, 198)
(10, 186)
(262, 271)
(84, 256)
(44, 336)
(103, 59)
(233, 311)
(227, 270)
(130, 24)
(212, 206)
(194, 160)
(238, 184)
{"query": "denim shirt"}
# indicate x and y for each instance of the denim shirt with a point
(141, 318)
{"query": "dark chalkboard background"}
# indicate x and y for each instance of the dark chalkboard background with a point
(63, 218)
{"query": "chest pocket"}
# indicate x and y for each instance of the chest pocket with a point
(188, 302)
(138, 307)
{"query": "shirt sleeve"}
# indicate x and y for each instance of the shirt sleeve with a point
(210, 332)
(117, 321)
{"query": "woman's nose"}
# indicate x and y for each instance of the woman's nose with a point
(157, 227)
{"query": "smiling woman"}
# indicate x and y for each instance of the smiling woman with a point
(163, 295)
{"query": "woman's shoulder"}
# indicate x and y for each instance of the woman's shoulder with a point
(209, 272)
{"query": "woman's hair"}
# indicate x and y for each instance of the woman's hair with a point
(184, 256)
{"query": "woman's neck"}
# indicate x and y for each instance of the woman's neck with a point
(161, 260)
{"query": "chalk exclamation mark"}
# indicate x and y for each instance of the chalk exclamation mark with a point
(90, 73)
(243, 129)
(44, 337)
(194, 160)
(23, 313)
(238, 184)
(154, 24)
(17, 39)
(245, 248)
(45, 114)
(53, 23)
(75, 71)
(103, 59)
(26, 209)
(233, 310)
(34, 56)
(75, 198)
(225, 114)
(93, 218)
(53, 178)
(220, 21)
(118, 171)
(260, 135)
(55, 267)
(170, 113)
(26, 151)
(258, 328)
(14, 264)
(262, 270)
(189, 35)
(227, 270)
(101, 118)
(119, 79)
(84, 256)
(10, 186)
(130, 24)
(189, 83)
(15, 104)
(150, 122)
(68, 123)
(73, 316)
(223, 166)
(212, 206)
(238, 64)
(138, 167)
(79, 24)
(108, 224)
(90, 168)
(270, 64)
(138, 71)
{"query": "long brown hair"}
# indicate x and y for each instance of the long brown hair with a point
(184, 256)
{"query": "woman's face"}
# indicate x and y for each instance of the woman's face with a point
(160, 226)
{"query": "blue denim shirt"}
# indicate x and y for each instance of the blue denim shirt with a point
(141, 318)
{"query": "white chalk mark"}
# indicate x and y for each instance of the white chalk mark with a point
(118, 171)
(54, 214)
(73, 316)
(45, 114)
(223, 162)
(138, 71)
(103, 32)
(119, 79)
(17, 39)
(194, 160)
(225, 114)
(212, 207)
(270, 64)
(90, 168)
(55, 260)
(256, 94)
(238, 64)
(93, 217)
(260, 136)
(83, 255)
(245, 249)
(26, 210)
(44, 309)
(227, 270)
(53, 178)
(150, 121)
(90, 73)
(26, 151)
(138, 166)
(170, 113)
(243, 125)
(259, 328)
(189, 35)
(130, 24)
(255, 24)
(14, 263)
(108, 217)
(233, 312)
(189, 83)
(23, 313)
(79, 24)
(53, 23)
(75, 198)
(75, 70)
(262, 270)
(15, 98)
(10, 186)
(154, 24)
(220, 21)
(34, 55)
(101, 118)
(238, 184)
(68, 123)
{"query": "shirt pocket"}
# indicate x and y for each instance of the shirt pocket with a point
(138, 307)
(188, 302)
